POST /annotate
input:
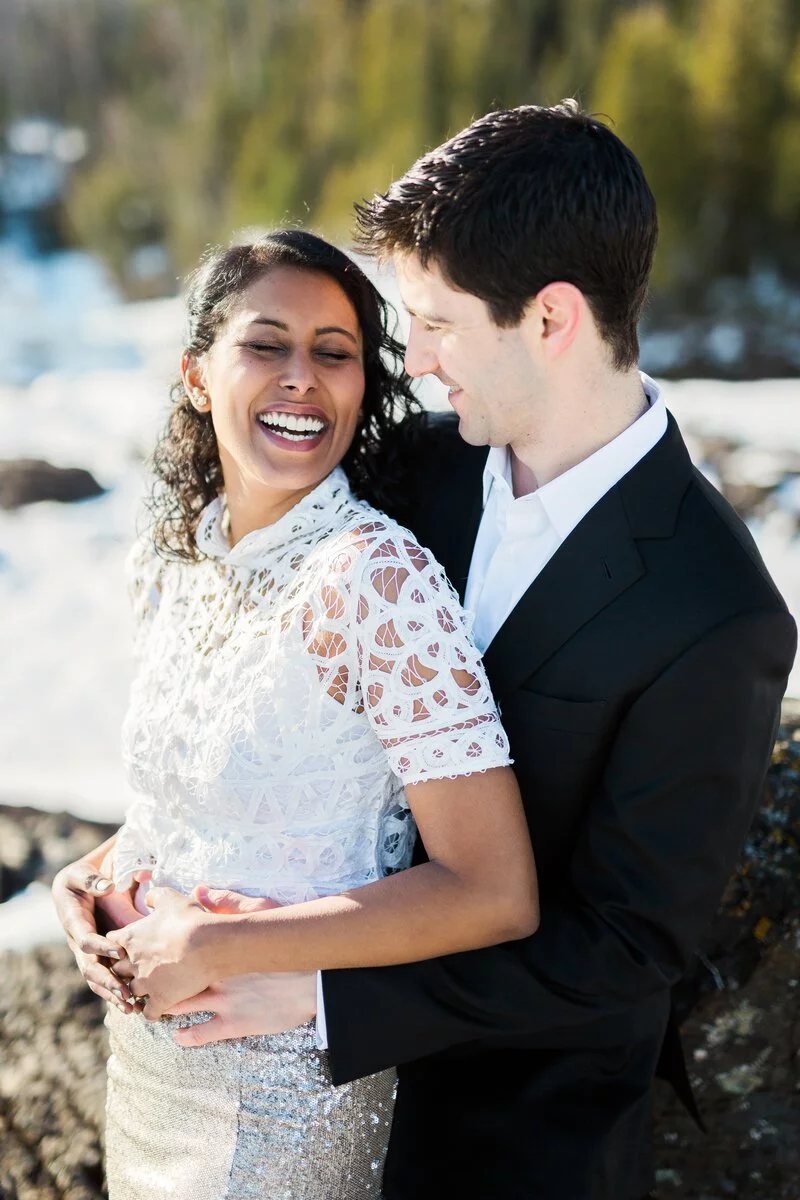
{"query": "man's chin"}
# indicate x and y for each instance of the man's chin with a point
(473, 437)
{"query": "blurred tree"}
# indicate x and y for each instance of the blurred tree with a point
(114, 209)
(737, 62)
(205, 117)
(785, 144)
(642, 83)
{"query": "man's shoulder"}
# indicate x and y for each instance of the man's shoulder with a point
(728, 547)
(437, 442)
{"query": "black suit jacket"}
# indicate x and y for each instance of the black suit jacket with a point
(639, 680)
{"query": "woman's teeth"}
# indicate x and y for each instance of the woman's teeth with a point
(291, 426)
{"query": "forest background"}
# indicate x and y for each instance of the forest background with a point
(206, 117)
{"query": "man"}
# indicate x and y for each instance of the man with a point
(634, 640)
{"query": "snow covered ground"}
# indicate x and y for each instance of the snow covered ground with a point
(84, 382)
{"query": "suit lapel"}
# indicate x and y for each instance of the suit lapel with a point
(596, 563)
(466, 522)
(593, 566)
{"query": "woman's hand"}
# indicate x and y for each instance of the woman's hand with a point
(162, 956)
(77, 890)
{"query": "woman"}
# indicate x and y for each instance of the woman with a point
(307, 696)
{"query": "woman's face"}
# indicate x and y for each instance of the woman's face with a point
(285, 382)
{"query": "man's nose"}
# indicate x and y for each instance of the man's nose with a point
(420, 357)
(299, 374)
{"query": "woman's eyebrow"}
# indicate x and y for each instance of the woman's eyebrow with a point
(338, 329)
(270, 321)
(323, 329)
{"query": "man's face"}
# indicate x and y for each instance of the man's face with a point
(496, 386)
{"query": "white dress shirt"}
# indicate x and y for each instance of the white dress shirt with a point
(518, 535)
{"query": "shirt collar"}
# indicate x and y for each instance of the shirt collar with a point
(318, 508)
(569, 497)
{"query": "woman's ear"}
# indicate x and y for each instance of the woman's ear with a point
(194, 382)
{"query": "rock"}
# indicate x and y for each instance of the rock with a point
(52, 1079)
(35, 845)
(764, 891)
(742, 1053)
(28, 480)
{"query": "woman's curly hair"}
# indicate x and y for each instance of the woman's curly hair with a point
(186, 464)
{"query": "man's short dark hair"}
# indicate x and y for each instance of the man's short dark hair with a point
(522, 198)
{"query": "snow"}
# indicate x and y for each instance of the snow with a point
(84, 382)
(29, 919)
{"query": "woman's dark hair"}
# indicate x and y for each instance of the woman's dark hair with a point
(188, 474)
(522, 198)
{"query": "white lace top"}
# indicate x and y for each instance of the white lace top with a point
(287, 689)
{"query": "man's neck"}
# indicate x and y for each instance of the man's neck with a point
(579, 431)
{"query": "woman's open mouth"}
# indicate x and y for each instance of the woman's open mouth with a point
(298, 431)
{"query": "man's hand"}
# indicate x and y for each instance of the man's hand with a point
(77, 889)
(245, 1005)
(249, 1004)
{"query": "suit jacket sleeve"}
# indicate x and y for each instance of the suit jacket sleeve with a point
(659, 842)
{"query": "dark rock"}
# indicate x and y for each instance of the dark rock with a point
(28, 480)
(52, 1080)
(35, 845)
(742, 1052)
(764, 891)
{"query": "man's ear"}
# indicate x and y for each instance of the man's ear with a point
(560, 310)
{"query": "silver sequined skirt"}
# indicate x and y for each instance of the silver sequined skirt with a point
(254, 1117)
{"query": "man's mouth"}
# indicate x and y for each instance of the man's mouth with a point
(296, 428)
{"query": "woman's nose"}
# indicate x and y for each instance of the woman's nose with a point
(299, 374)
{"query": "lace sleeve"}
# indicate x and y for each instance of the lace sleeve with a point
(423, 683)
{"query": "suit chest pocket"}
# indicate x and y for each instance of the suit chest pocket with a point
(553, 737)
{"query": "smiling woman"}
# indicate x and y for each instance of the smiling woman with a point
(284, 385)
(308, 696)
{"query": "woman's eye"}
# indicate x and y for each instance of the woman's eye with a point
(268, 346)
(335, 355)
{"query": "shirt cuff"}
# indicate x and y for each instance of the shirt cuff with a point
(322, 1028)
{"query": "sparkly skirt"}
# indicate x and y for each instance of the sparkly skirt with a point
(256, 1117)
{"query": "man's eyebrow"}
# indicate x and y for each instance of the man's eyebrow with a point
(323, 329)
(429, 318)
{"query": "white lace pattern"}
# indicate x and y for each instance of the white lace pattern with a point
(287, 689)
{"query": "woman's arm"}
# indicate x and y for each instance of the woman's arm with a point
(478, 888)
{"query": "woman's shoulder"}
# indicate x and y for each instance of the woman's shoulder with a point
(144, 573)
(376, 546)
(371, 534)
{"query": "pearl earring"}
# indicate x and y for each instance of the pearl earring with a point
(199, 401)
